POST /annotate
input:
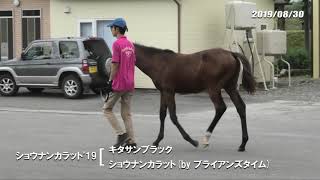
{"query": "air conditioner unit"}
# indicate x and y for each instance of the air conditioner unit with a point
(239, 13)
(273, 42)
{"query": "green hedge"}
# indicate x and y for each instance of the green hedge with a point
(295, 39)
(296, 51)
(298, 59)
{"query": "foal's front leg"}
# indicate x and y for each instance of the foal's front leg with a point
(163, 114)
(220, 107)
(172, 110)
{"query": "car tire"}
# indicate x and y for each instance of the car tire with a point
(8, 86)
(35, 90)
(72, 87)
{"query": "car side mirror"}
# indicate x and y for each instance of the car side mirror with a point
(23, 56)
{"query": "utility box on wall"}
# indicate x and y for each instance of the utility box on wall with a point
(239, 13)
(273, 42)
(255, 64)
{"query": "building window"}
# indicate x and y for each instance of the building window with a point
(86, 29)
(6, 14)
(30, 26)
(6, 35)
(96, 28)
(29, 13)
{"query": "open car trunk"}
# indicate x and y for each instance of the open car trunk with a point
(99, 53)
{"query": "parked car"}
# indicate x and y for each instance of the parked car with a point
(72, 64)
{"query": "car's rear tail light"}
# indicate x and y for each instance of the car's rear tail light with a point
(85, 66)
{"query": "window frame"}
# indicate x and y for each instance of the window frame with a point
(3, 17)
(33, 44)
(93, 28)
(94, 22)
(30, 17)
(78, 47)
(22, 16)
(94, 25)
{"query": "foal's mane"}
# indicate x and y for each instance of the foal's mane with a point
(153, 50)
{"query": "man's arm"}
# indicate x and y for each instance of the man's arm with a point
(114, 70)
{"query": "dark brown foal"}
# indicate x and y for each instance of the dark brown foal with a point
(209, 70)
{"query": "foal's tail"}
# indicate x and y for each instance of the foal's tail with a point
(248, 80)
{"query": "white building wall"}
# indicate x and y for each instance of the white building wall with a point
(154, 23)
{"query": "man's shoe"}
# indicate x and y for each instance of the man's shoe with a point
(122, 139)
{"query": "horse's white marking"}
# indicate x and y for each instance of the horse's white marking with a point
(240, 77)
(208, 135)
(205, 139)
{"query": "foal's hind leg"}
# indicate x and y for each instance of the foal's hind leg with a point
(163, 114)
(241, 108)
(172, 110)
(220, 107)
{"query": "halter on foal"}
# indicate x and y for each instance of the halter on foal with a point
(210, 70)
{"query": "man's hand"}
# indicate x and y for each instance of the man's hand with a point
(109, 86)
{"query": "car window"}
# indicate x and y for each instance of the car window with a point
(69, 49)
(39, 51)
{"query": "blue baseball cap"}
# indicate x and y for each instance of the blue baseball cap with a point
(120, 22)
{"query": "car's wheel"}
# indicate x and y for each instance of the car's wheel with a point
(72, 87)
(8, 86)
(35, 90)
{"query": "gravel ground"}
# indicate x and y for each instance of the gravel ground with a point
(302, 89)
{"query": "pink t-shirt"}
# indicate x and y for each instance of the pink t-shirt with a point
(124, 54)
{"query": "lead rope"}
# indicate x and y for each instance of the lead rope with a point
(102, 96)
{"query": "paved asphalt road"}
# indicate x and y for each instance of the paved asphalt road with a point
(283, 128)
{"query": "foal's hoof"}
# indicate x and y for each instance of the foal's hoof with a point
(195, 143)
(241, 149)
